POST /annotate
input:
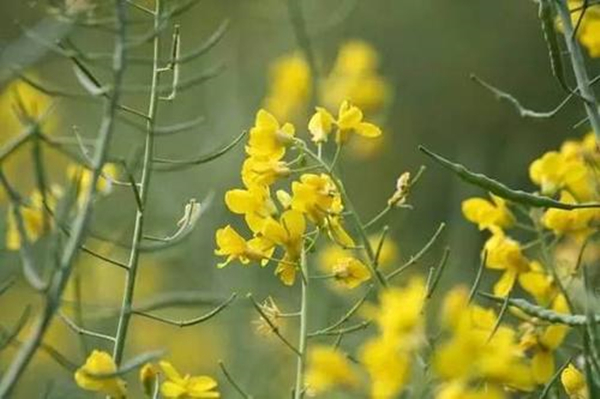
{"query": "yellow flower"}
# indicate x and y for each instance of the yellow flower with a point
(574, 383)
(504, 253)
(576, 223)
(316, 196)
(20, 105)
(387, 365)
(287, 233)
(328, 368)
(82, 177)
(234, 246)
(337, 233)
(320, 125)
(289, 86)
(33, 223)
(179, 387)
(408, 321)
(472, 353)
(539, 284)
(555, 171)
(350, 119)
(542, 342)
(267, 138)
(148, 378)
(350, 272)
(488, 214)
(254, 203)
(388, 356)
(263, 172)
(99, 362)
(354, 77)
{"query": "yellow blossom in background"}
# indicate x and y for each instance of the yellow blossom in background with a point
(574, 383)
(287, 233)
(388, 366)
(234, 246)
(289, 87)
(388, 356)
(33, 222)
(268, 139)
(411, 300)
(182, 387)
(349, 119)
(254, 203)
(504, 253)
(21, 104)
(327, 369)
(576, 223)
(589, 27)
(99, 362)
(488, 214)
(349, 272)
(354, 77)
(471, 353)
(82, 177)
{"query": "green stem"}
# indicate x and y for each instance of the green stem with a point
(302, 340)
(138, 231)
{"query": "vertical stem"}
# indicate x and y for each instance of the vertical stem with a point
(61, 276)
(578, 63)
(138, 231)
(300, 364)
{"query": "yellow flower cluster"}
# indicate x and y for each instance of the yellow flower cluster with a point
(36, 215)
(474, 352)
(314, 198)
(388, 356)
(567, 175)
(354, 77)
(92, 376)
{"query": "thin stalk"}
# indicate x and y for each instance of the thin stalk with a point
(138, 230)
(15, 369)
(302, 340)
(578, 63)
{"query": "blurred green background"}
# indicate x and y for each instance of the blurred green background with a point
(427, 51)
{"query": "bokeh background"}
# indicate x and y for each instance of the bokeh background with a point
(426, 51)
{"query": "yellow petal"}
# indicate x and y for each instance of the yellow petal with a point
(294, 223)
(368, 130)
(169, 389)
(543, 366)
(265, 119)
